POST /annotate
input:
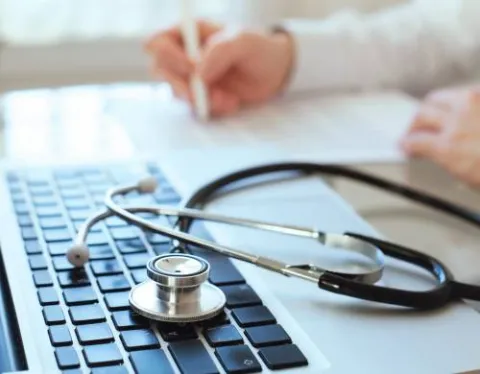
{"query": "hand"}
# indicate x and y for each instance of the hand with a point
(238, 68)
(447, 131)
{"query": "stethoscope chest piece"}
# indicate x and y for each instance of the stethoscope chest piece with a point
(177, 291)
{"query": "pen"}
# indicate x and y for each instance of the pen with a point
(191, 41)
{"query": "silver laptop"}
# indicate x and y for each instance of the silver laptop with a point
(57, 319)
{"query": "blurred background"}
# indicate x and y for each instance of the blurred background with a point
(63, 42)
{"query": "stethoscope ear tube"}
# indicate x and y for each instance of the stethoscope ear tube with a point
(447, 288)
(431, 299)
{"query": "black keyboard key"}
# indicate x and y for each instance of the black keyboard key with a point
(32, 247)
(156, 220)
(99, 198)
(112, 283)
(94, 334)
(192, 357)
(139, 339)
(80, 214)
(101, 252)
(42, 278)
(225, 273)
(79, 296)
(139, 275)
(59, 248)
(41, 191)
(172, 332)
(76, 203)
(45, 200)
(28, 233)
(262, 336)
(86, 314)
(223, 335)
(211, 256)
(114, 221)
(167, 197)
(19, 198)
(21, 208)
(161, 249)
(107, 267)
(99, 189)
(70, 190)
(97, 238)
(24, 220)
(110, 370)
(152, 361)
(48, 211)
(95, 228)
(253, 316)
(73, 278)
(241, 295)
(136, 261)
(157, 239)
(37, 179)
(130, 246)
(37, 262)
(127, 320)
(57, 235)
(49, 223)
(220, 320)
(282, 357)
(72, 371)
(238, 359)
(117, 301)
(141, 200)
(102, 355)
(47, 296)
(67, 358)
(60, 336)
(61, 263)
(124, 233)
(53, 315)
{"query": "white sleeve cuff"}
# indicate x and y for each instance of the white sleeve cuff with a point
(321, 56)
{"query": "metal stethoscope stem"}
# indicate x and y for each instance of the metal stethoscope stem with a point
(176, 289)
(304, 271)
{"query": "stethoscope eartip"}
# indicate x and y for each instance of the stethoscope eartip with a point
(78, 255)
(147, 185)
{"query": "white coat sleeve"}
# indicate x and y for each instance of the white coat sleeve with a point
(413, 47)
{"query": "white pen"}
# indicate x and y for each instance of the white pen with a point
(191, 41)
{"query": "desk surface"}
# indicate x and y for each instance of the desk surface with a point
(87, 123)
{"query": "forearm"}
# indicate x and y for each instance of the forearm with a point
(410, 47)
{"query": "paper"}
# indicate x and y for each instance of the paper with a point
(363, 127)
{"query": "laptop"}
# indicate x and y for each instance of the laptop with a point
(55, 319)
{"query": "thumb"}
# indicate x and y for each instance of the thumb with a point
(220, 53)
(422, 144)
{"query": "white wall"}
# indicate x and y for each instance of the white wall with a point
(105, 60)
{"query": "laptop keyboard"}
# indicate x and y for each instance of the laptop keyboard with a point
(86, 311)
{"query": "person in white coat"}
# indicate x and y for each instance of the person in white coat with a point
(420, 47)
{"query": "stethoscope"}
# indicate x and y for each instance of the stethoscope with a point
(176, 289)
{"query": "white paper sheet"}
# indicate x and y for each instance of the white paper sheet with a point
(353, 128)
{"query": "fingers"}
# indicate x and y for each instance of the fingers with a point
(422, 144)
(180, 86)
(223, 103)
(170, 56)
(430, 117)
(221, 53)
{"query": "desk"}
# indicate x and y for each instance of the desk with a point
(87, 123)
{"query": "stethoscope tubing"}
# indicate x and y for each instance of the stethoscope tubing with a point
(359, 285)
(445, 291)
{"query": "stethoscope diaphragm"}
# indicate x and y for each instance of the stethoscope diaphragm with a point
(176, 290)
